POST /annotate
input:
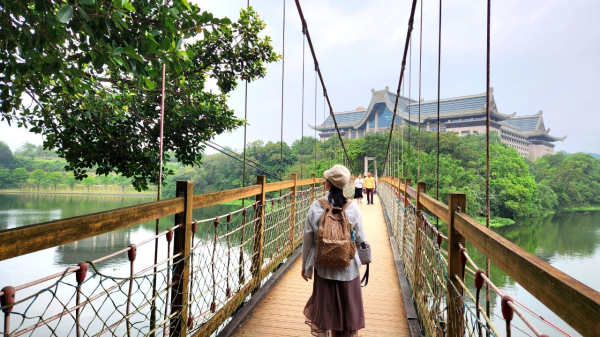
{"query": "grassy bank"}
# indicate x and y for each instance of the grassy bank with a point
(581, 209)
(496, 221)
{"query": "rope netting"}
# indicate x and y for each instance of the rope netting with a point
(420, 245)
(89, 300)
(424, 263)
(85, 301)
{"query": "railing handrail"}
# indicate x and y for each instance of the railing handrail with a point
(574, 302)
(23, 240)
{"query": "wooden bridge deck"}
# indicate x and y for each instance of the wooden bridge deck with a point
(280, 312)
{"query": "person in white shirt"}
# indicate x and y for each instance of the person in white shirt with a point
(359, 184)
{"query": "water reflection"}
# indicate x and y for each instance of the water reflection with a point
(570, 242)
(21, 210)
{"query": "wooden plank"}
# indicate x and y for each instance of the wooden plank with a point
(249, 306)
(411, 191)
(270, 187)
(436, 207)
(280, 312)
(215, 198)
(573, 301)
(28, 239)
(304, 182)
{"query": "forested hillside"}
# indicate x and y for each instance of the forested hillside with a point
(519, 188)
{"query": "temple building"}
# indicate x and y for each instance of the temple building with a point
(462, 115)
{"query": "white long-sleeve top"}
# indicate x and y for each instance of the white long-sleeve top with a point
(311, 228)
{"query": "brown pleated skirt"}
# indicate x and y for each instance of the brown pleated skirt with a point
(335, 306)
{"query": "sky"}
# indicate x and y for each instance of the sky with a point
(544, 56)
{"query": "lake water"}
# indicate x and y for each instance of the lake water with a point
(570, 242)
(18, 210)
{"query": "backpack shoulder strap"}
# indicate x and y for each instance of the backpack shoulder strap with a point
(348, 202)
(325, 204)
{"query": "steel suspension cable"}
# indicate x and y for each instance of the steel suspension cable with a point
(402, 131)
(437, 167)
(487, 152)
(302, 127)
(240, 160)
(419, 122)
(408, 35)
(230, 153)
(312, 50)
(282, 88)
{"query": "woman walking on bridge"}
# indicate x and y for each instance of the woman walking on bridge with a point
(335, 305)
(358, 188)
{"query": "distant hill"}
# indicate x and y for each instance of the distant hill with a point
(595, 155)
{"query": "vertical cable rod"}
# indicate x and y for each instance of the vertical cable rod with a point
(487, 153)
(408, 35)
(245, 125)
(437, 167)
(315, 149)
(420, 67)
(409, 107)
(282, 88)
(312, 50)
(302, 127)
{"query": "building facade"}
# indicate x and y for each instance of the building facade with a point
(462, 115)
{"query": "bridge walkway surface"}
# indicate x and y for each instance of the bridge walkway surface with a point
(280, 312)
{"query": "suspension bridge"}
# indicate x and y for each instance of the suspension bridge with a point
(237, 274)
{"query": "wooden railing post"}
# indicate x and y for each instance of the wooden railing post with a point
(314, 185)
(406, 196)
(294, 190)
(457, 203)
(181, 264)
(259, 232)
(417, 245)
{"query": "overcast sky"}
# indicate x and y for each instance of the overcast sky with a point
(545, 56)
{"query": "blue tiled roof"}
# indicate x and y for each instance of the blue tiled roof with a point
(459, 104)
(343, 118)
(525, 124)
(402, 103)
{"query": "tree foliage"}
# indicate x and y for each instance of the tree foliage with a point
(574, 178)
(92, 70)
(19, 176)
(7, 159)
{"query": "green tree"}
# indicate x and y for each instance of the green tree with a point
(5, 178)
(122, 182)
(38, 177)
(55, 178)
(104, 180)
(6, 156)
(70, 180)
(93, 70)
(88, 182)
(574, 178)
(28, 150)
(20, 176)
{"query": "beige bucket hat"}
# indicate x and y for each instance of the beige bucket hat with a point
(338, 175)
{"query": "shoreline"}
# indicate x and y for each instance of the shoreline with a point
(111, 193)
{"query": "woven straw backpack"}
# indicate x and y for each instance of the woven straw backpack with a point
(334, 242)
